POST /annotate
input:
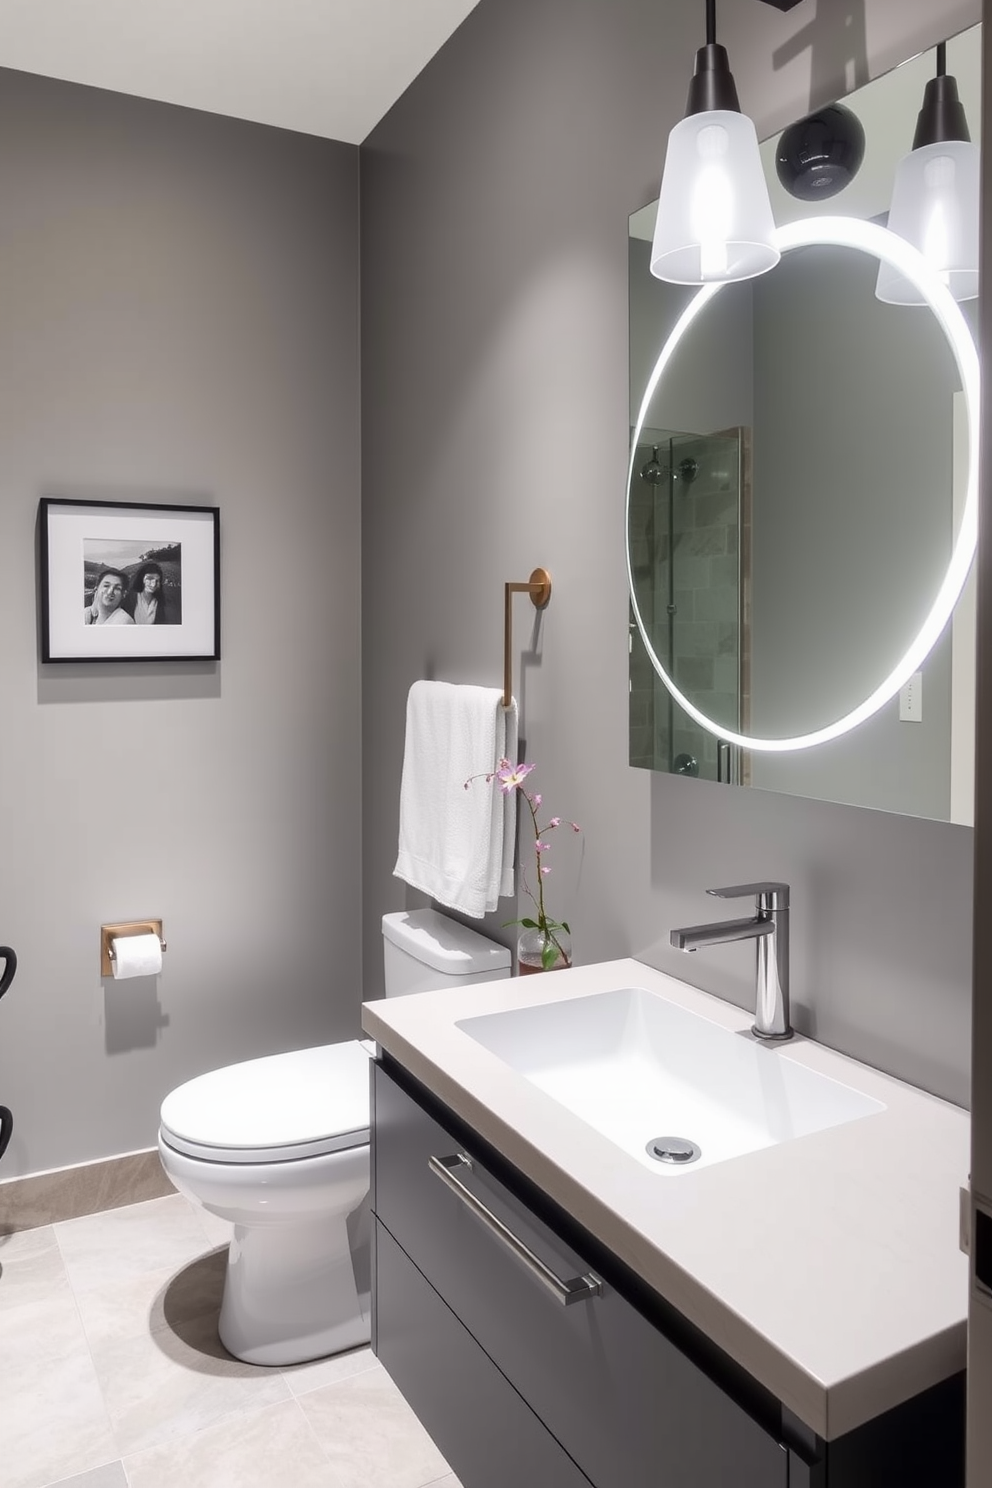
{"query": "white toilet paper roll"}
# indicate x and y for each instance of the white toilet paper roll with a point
(137, 955)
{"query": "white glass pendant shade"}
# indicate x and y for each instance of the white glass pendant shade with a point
(714, 220)
(935, 207)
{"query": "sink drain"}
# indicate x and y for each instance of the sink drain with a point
(676, 1150)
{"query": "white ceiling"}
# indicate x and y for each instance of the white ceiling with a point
(326, 67)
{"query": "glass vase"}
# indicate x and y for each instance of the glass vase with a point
(543, 950)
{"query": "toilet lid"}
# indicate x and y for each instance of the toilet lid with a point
(274, 1109)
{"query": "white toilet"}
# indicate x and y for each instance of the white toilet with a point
(280, 1147)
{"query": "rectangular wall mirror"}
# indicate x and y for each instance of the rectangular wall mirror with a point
(795, 494)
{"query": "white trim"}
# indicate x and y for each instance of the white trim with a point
(964, 635)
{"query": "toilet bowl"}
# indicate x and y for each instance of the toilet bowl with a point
(279, 1146)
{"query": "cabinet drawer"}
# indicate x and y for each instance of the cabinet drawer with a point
(627, 1404)
(488, 1434)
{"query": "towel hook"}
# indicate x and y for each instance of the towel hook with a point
(538, 586)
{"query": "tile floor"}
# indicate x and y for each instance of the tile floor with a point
(113, 1376)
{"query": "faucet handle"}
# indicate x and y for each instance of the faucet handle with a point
(769, 896)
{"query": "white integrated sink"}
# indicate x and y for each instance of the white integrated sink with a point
(637, 1067)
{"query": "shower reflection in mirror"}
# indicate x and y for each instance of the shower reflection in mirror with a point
(689, 522)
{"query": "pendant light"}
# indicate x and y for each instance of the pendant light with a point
(714, 220)
(935, 196)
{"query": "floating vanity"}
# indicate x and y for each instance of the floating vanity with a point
(620, 1241)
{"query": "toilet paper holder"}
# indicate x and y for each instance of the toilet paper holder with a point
(110, 933)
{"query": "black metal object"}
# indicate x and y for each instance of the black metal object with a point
(942, 115)
(712, 85)
(818, 156)
(6, 1118)
(7, 955)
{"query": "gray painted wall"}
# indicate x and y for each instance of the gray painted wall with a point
(178, 319)
(495, 200)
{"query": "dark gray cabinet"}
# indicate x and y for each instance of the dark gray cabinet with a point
(614, 1388)
(625, 1404)
(485, 1429)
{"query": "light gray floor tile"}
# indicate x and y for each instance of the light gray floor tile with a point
(121, 1243)
(117, 1308)
(370, 1434)
(30, 1266)
(302, 1378)
(169, 1384)
(52, 1420)
(24, 1243)
(260, 1449)
(109, 1476)
(110, 1349)
(38, 1317)
(41, 1330)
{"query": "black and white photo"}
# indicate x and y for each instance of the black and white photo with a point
(122, 581)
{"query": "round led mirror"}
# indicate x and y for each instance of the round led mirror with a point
(885, 247)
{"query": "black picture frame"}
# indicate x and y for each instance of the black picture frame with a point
(98, 594)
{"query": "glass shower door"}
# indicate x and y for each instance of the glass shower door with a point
(690, 536)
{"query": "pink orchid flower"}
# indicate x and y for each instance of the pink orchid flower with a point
(555, 948)
(512, 776)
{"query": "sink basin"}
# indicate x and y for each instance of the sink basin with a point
(639, 1068)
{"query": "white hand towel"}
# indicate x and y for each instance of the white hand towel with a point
(507, 882)
(456, 844)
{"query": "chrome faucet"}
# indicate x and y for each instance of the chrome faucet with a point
(770, 929)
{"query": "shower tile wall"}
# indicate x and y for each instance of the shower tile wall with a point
(706, 592)
(645, 550)
(706, 561)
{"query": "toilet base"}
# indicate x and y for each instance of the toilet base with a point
(291, 1294)
(298, 1278)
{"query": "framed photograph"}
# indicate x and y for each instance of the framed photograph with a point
(122, 581)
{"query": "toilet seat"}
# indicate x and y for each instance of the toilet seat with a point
(276, 1109)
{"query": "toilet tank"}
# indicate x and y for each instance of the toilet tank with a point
(424, 949)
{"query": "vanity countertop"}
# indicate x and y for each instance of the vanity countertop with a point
(828, 1266)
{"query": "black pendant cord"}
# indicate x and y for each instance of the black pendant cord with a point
(712, 87)
(941, 59)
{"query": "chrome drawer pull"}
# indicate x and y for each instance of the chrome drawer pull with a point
(576, 1289)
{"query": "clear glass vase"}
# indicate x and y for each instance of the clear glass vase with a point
(543, 950)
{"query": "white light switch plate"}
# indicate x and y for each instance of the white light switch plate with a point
(911, 700)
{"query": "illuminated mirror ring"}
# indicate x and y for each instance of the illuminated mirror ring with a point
(866, 237)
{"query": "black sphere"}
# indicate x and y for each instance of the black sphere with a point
(819, 155)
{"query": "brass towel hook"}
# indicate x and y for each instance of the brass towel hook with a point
(538, 586)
